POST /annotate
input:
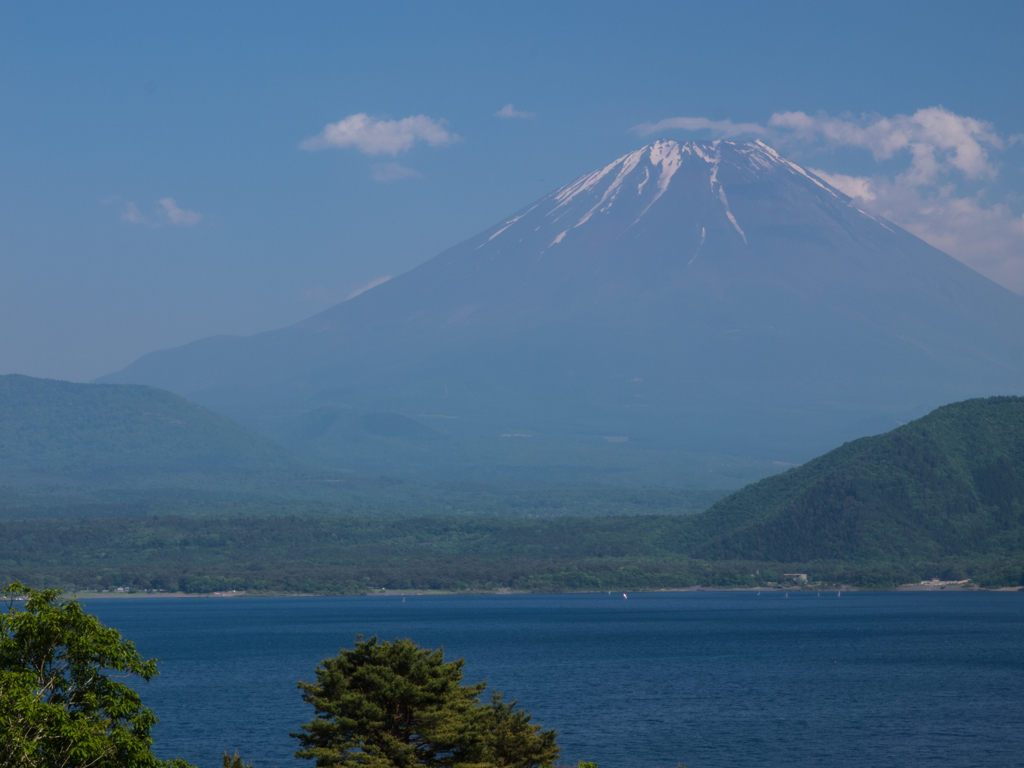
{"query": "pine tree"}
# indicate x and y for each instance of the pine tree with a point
(393, 705)
(513, 741)
(235, 762)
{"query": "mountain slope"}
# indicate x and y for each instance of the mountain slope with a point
(57, 427)
(708, 295)
(87, 450)
(948, 485)
(375, 444)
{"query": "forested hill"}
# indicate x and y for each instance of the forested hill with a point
(943, 495)
(950, 484)
(115, 450)
(65, 429)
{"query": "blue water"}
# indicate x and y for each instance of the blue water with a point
(702, 679)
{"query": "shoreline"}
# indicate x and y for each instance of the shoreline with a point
(436, 593)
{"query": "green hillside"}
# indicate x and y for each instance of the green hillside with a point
(120, 450)
(61, 428)
(948, 484)
(433, 448)
(113, 450)
(941, 496)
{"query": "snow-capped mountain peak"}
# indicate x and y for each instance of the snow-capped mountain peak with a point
(629, 189)
(756, 304)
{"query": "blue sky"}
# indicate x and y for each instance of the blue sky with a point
(167, 171)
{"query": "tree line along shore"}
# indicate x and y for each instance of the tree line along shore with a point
(338, 555)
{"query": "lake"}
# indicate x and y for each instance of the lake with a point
(702, 679)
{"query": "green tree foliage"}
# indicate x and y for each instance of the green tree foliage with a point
(391, 704)
(515, 742)
(235, 762)
(396, 705)
(948, 485)
(59, 705)
(344, 555)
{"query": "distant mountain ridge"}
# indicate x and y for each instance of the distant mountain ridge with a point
(942, 496)
(707, 295)
(59, 427)
(125, 450)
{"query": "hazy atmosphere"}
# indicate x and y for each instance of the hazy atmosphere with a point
(511, 384)
(174, 172)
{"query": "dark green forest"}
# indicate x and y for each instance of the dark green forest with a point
(320, 555)
(121, 486)
(948, 484)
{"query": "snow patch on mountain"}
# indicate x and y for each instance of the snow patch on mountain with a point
(652, 170)
(728, 213)
(629, 163)
(508, 224)
(584, 184)
(715, 161)
(640, 186)
(669, 155)
(703, 235)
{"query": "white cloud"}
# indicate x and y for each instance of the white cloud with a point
(854, 186)
(133, 214)
(392, 172)
(939, 168)
(941, 150)
(936, 139)
(176, 215)
(722, 128)
(373, 136)
(988, 238)
(167, 212)
(319, 295)
(372, 284)
(323, 295)
(509, 111)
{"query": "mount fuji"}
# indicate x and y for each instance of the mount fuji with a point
(711, 296)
